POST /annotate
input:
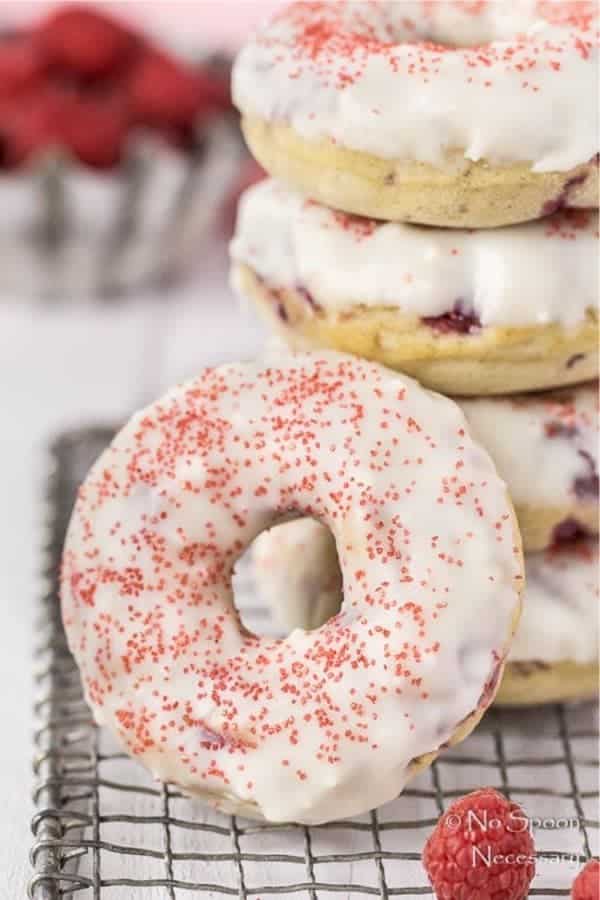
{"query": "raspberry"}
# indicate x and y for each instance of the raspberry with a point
(27, 127)
(215, 83)
(84, 41)
(587, 884)
(163, 92)
(94, 129)
(20, 65)
(481, 849)
(457, 321)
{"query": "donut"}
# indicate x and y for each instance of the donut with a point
(555, 653)
(292, 729)
(465, 312)
(460, 114)
(545, 446)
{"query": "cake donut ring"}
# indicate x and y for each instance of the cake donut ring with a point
(465, 312)
(297, 728)
(460, 114)
(555, 653)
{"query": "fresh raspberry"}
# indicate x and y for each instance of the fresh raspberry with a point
(21, 66)
(163, 92)
(587, 884)
(84, 41)
(94, 129)
(481, 849)
(215, 81)
(27, 127)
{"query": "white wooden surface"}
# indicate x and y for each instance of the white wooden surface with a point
(68, 366)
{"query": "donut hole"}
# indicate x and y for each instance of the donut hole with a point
(288, 578)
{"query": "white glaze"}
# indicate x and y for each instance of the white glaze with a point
(560, 608)
(530, 98)
(542, 444)
(320, 725)
(506, 276)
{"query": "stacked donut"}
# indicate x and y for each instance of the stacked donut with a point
(433, 207)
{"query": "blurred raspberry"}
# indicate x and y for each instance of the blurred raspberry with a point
(20, 65)
(94, 129)
(83, 40)
(27, 127)
(163, 92)
(481, 848)
(215, 82)
(81, 80)
(587, 884)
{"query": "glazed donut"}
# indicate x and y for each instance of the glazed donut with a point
(464, 312)
(555, 653)
(463, 114)
(545, 446)
(297, 728)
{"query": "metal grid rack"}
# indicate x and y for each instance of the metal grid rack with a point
(103, 829)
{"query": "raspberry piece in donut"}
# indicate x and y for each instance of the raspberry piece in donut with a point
(296, 729)
(455, 322)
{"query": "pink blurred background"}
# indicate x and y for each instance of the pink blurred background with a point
(219, 24)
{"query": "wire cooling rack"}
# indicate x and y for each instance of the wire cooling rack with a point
(103, 829)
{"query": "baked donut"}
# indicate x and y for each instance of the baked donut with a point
(463, 114)
(297, 728)
(545, 446)
(465, 312)
(555, 653)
